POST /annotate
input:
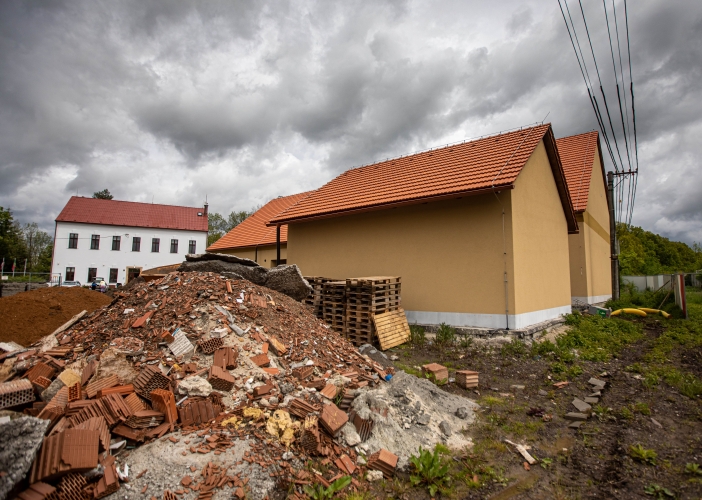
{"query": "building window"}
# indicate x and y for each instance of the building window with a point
(73, 241)
(113, 275)
(174, 246)
(155, 243)
(95, 242)
(70, 274)
(92, 274)
(116, 242)
(136, 244)
(192, 245)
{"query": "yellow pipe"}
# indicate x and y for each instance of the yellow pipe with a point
(635, 312)
(654, 311)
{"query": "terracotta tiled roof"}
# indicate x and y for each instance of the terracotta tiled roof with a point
(129, 213)
(253, 231)
(577, 154)
(474, 166)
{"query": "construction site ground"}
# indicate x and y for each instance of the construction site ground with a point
(653, 373)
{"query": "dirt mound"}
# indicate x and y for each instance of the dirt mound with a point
(28, 316)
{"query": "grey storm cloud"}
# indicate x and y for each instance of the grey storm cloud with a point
(242, 101)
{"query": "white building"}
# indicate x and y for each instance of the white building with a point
(115, 240)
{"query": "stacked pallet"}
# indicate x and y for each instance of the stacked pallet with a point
(315, 298)
(350, 306)
(365, 298)
(334, 304)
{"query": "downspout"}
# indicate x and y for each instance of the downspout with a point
(256, 254)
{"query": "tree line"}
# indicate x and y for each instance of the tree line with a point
(219, 225)
(642, 252)
(20, 242)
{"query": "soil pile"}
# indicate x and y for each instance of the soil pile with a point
(29, 316)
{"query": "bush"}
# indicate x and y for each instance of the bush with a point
(445, 334)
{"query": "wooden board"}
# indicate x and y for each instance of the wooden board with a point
(392, 328)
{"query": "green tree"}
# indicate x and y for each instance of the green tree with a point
(35, 242)
(103, 195)
(44, 261)
(643, 252)
(218, 226)
(12, 245)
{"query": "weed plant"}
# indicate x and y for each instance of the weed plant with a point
(418, 336)
(445, 335)
(641, 454)
(430, 470)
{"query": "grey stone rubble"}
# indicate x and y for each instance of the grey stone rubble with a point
(284, 279)
(20, 439)
(581, 406)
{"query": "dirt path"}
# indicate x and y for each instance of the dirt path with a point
(594, 461)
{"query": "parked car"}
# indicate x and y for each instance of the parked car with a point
(71, 283)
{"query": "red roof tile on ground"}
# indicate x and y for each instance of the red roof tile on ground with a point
(491, 162)
(253, 231)
(133, 214)
(577, 154)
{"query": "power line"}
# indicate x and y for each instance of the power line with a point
(604, 97)
(633, 109)
(616, 79)
(586, 77)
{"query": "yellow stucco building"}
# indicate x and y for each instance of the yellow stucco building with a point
(590, 264)
(477, 231)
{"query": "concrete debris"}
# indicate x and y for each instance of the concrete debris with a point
(194, 386)
(20, 440)
(283, 389)
(284, 279)
(374, 475)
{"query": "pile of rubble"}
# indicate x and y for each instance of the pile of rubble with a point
(220, 377)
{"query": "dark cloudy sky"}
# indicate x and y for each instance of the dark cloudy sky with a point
(244, 101)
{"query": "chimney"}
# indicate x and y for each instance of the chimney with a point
(206, 207)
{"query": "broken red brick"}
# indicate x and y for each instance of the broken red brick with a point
(261, 360)
(435, 371)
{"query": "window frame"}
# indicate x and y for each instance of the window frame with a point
(156, 243)
(95, 242)
(174, 245)
(116, 272)
(136, 242)
(90, 280)
(192, 246)
(118, 240)
(73, 242)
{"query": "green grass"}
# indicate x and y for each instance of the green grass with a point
(678, 337)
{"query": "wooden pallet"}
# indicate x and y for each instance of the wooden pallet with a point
(392, 328)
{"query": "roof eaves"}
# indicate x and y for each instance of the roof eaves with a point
(559, 176)
(389, 205)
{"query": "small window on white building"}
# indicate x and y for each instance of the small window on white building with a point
(192, 246)
(116, 242)
(73, 241)
(136, 244)
(174, 246)
(95, 242)
(155, 244)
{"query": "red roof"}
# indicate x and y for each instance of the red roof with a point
(253, 231)
(481, 165)
(577, 154)
(129, 213)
